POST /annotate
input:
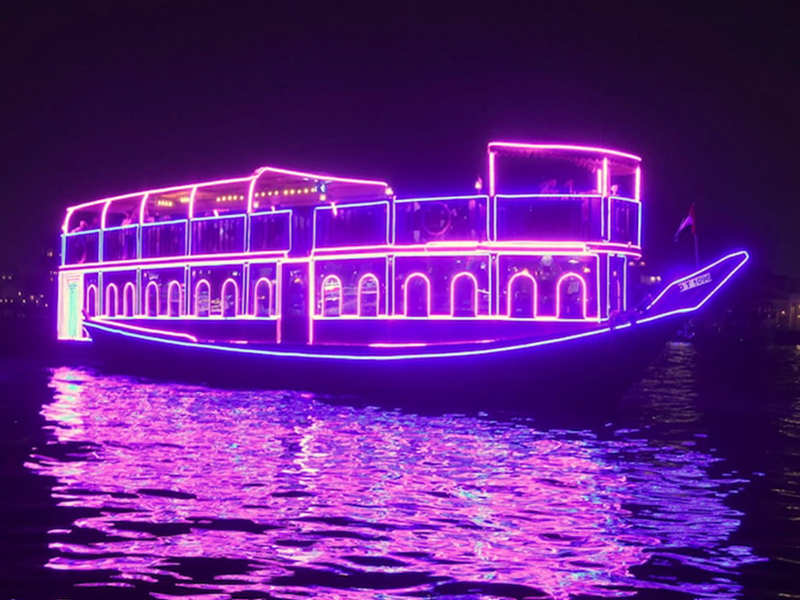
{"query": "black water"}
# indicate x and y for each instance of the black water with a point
(688, 487)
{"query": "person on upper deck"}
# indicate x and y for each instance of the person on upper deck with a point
(549, 187)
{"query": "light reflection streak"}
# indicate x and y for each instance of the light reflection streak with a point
(283, 493)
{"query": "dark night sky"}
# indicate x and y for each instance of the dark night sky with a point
(110, 97)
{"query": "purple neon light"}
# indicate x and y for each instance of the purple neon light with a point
(509, 293)
(584, 299)
(147, 311)
(174, 285)
(92, 307)
(319, 177)
(203, 282)
(453, 281)
(129, 309)
(427, 292)
(440, 355)
(224, 294)
(377, 292)
(742, 253)
(260, 282)
(111, 290)
(139, 328)
(331, 286)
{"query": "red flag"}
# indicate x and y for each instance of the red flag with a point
(688, 221)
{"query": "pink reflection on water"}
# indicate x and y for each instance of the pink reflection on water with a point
(278, 492)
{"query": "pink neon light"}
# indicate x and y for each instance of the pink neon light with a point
(568, 147)
(191, 338)
(129, 307)
(637, 194)
(509, 292)
(331, 284)
(558, 293)
(606, 176)
(147, 307)
(474, 292)
(406, 285)
(361, 292)
(202, 282)
(260, 171)
(256, 309)
(174, 285)
(225, 284)
(109, 289)
(91, 300)
(492, 158)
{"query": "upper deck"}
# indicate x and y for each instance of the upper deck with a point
(540, 195)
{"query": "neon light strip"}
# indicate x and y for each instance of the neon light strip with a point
(259, 283)
(513, 196)
(331, 284)
(223, 302)
(637, 186)
(127, 309)
(742, 253)
(427, 292)
(191, 338)
(436, 355)
(174, 285)
(606, 176)
(157, 223)
(583, 293)
(440, 198)
(154, 285)
(91, 300)
(535, 299)
(109, 288)
(121, 227)
(592, 149)
(492, 172)
(360, 293)
(453, 281)
(197, 297)
(318, 176)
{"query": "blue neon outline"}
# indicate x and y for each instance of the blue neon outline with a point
(339, 207)
(456, 354)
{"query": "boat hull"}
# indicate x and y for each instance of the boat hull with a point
(596, 367)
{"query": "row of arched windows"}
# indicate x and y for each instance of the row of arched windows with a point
(521, 299)
(124, 304)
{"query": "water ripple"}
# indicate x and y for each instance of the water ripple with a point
(192, 492)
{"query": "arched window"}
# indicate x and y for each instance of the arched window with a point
(129, 299)
(174, 299)
(202, 298)
(417, 290)
(522, 300)
(464, 295)
(230, 298)
(331, 296)
(571, 297)
(263, 298)
(368, 295)
(111, 300)
(91, 300)
(151, 299)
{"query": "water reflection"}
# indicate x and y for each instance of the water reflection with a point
(187, 491)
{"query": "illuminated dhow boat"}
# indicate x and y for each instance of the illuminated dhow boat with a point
(310, 281)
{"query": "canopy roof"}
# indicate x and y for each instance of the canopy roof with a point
(274, 186)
